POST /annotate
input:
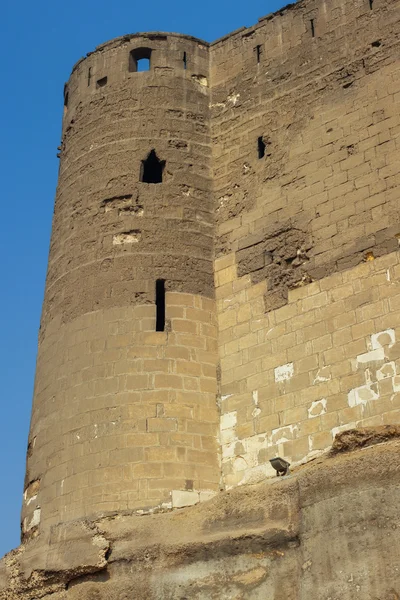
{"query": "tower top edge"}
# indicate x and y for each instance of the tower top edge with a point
(146, 35)
(153, 35)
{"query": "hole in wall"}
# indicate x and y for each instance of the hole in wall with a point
(101, 82)
(258, 50)
(376, 44)
(160, 305)
(312, 24)
(143, 64)
(139, 60)
(371, 4)
(261, 145)
(184, 61)
(152, 168)
(89, 76)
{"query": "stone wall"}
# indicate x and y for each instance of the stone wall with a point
(276, 231)
(325, 111)
(124, 417)
(305, 127)
(294, 377)
(330, 530)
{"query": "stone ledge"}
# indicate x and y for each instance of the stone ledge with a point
(276, 518)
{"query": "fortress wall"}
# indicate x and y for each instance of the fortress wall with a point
(291, 379)
(307, 235)
(324, 195)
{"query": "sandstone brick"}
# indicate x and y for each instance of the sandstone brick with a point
(161, 424)
(321, 440)
(224, 261)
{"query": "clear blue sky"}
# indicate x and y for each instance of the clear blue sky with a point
(40, 41)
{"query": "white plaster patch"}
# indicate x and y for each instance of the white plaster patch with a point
(383, 338)
(283, 434)
(228, 420)
(284, 372)
(254, 443)
(239, 464)
(323, 374)
(182, 498)
(371, 356)
(362, 395)
(130, 237)
(257, 411)
(227, 436)
(228, 450)
(317, 408)
(35, 519)
(226, 396)
(233, 98)
(201, 79)
(396, 383)
(387, 370)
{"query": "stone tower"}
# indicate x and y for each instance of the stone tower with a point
(124, 413)
(223, 289)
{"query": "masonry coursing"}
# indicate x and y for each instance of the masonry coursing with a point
(280, 265)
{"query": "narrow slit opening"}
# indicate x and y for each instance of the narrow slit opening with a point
(371, 4)
(258, 53)
(160, 305)
(66, 97)
(261, 147)
(184, 61)
(89, 76)
(312, 27)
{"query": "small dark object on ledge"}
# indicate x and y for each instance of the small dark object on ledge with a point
(281, 466)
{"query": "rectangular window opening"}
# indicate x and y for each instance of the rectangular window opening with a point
(160, 305)
(184, 61)
(371, 4)
(258, 52)
(312, 27)
(89, 76)
(139, 60)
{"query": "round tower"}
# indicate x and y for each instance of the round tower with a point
(124, 415)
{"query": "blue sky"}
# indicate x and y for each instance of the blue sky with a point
(40, 41)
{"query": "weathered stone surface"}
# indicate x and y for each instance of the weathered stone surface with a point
(255, 180)
(331, 527)
(359, 438)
